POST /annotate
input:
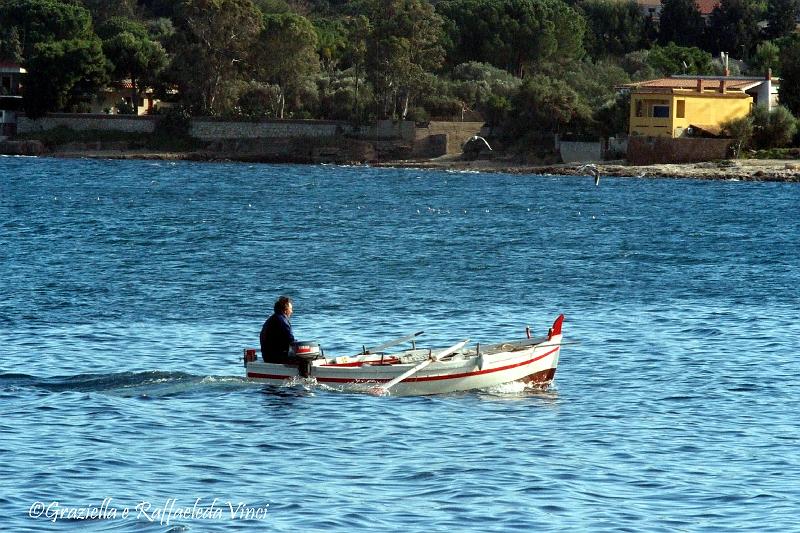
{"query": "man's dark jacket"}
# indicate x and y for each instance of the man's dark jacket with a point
(276, 339)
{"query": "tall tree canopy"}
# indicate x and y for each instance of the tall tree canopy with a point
(103, 10)
(217, 38)
(133, 54)
(512, 34)
(789, 90)
(674, 59)
(613, 27)
(781, 17)
(544, 104)
(39, 21)
(733, 28)
(10, 45)
(681, 23)
(285, 55)
(59, 49)
(62, 73)
(403, 44)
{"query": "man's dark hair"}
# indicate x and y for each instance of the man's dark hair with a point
(281, 304)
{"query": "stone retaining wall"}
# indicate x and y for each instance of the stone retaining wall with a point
(87, 121)
(389, 139)
(457, 134)
(208, 129)
(654, 150)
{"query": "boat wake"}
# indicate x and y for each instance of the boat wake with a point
(519, 389)
(127, 384)
(159, 384)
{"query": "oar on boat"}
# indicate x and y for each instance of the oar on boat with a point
(383, 390)
(394, 342)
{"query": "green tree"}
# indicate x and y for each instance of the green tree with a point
(403, 44)
(674, 59)
(789, 90)
(10, 46)
(594, 81)
(733, 28)
(545, 104)
(59, 49)
(103, 10)
(39, 21)
(132, 53)
(781, 17)
(285, 55)
(741, 130)
(486, 89)
(613, 117)
(613, 27)
(637, 65)
(62, 72)
(512, 34)
(211, 57)
(359, 29)
(681, 23)
(766, 56)
(773, 128)
(332, 43)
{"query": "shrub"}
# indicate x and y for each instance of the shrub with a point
(739, 129)
(176, 122)
(773, 129)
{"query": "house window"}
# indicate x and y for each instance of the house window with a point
(680, 109)
(5, 85)
(660, 111)
(639, 112)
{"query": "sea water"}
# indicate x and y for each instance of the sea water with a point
(130, 288)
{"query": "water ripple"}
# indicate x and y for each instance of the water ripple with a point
(130, 289)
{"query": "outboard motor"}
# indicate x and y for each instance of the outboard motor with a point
(306, 351)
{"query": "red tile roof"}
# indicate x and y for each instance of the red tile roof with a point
(706, 6)
(690, 83)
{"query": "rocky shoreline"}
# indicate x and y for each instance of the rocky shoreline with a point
(740, 170)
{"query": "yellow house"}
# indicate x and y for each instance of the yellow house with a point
(107, 100)
(689, 105)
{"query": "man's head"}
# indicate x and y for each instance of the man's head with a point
(284, 306)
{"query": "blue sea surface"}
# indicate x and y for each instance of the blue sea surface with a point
(128, 290)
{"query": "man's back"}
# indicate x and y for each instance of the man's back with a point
(276, 339)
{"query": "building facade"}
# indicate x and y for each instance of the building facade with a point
(10, 97)
(682, 106)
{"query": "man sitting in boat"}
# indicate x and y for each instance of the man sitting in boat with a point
(276, 334)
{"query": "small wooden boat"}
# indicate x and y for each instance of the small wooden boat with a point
(420, 371)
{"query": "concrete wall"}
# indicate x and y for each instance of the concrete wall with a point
(580, 152)
(390, 129)
(86, 121)
(207, 128)
(652, 150)
(457, 134)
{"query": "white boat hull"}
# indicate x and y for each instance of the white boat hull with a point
(533, 362)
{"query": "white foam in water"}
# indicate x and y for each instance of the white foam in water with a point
(514, 387)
